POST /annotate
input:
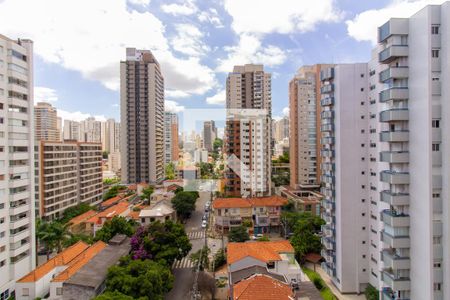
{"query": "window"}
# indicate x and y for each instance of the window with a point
(437, 265)
(59, 291)
(435, 53)
(434, 29)
(362, 89)
(435, 147)
(435, 123)
(436, 240)
(437, 286)
(25, 292)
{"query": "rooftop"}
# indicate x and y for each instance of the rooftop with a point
(83, 217)
(110, 212)
(262, 287)
(160, 209)
(112, 200)
(61, 259)
(264, 251)
(249, 202)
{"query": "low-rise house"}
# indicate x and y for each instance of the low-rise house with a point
(77, 224)
(263, 213)
(121, 209)
(274, 258)
(161, 195)
(262, 287)
(172, 184)
(161, 211)
(304, 200)
(188, 172)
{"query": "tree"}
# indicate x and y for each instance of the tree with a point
(74, 211)
(117, 225)
(371, 293)
(200, 257)
(74, 238)
(306, 228)
(184, 203)
(219, 259)
(113, 191)
(105, 154)
(109, 181)
(206, 170)
(160, 241)
(147, 192)
(218, 143)
(238, 234)
(170, 171)
(114, 296)
(52, 234)
(140, 279)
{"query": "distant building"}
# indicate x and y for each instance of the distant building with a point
(91, 130)
(76, 176)
(72, 131)
(171, 147)
(209, 134)
(200, 156)
(46, 122)
(187, 172)
(142, 118)
(280, 129)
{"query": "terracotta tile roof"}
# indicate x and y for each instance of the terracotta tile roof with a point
(262, 287)
(83, 217)
(110, 212)
(80, 261)
(264, 251)
(135, 214)
(231, 203)
(112, 201)
(268, 201)
(60, 259)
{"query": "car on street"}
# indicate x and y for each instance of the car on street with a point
(204, 223)
(204, 217)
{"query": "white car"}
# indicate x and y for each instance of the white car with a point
(204, 223)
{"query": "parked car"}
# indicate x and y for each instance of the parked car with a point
(294, 283)
(205, 217)
(204, 223)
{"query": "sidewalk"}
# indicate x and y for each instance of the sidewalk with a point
(332, 287)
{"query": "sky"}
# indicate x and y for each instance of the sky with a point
(78, 44)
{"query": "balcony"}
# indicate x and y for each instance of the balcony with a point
(394, 220)
(393, 52)
(394, 157)
(329, 219)
(392, 177)
(392, 27)
(396, 240)
(389, 294)
(327, 74)
(395, 282)
(327, 101)
(394, 136)
(328, 114)
(327, 230)
(393, 115)
(327, 153)
(328, 205)
(394, 93)
(394, 198)
(327, 127)
(328, 243)
(328, 179)
(393, 73)
(327, 88)
(393, 261)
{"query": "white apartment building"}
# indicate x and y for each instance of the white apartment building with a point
(91, 130)
(17, 215)
(110, 136)
(171, 150)
(68, 173)
(248, 131)
(400, 221)
(72, 130)
(344, 180)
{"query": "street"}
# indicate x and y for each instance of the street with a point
(183, 271)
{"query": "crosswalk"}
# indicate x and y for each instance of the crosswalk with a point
(194, 235)
(184, 263)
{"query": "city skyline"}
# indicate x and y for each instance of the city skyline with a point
(194, 61)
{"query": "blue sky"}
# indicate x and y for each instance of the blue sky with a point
(79, 43)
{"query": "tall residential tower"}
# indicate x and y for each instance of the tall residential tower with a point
(46, 122)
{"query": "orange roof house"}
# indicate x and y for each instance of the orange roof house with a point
(262, 287)
(268, 201)
(78, 224)
(264, 251)
(231, 203)
(109, 213)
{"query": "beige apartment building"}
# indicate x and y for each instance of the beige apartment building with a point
(69, 173)
(171, 147)
(46, 122)
(248, 132)
(304, 130)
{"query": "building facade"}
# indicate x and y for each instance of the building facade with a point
(209, 134)
(248, 132)
(280, 129)
(142, 118)
(91, 130)
(46, 122)
(17, 214)
(171, 148)
(68, 173)
(72, 130)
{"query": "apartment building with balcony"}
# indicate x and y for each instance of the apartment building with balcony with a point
(344, 179)
(263, 213)
(46, 122)
(17, 214)
(171, 147)
(142, 118)
(248, 129)
(68, 173)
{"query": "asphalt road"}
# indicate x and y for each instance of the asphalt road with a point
(184, 277)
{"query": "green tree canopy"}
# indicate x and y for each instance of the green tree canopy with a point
(114, 296)
(113, 191)
(74, 211)
(184, 203)
(238, 234)
(170, 171)
(218, 143)
(140, 279)
(219, 259)
(52, 234)
(200, 256)
(147, 192)
(117, 225)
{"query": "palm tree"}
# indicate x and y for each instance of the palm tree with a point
(53, 235)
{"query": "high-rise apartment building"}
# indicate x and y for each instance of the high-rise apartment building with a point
(72, 130)
(68, 173)
(17, 214)
(394, 232)
(248, 131)
(344, 175)
(209, 134)
(280, 129)
(142, 118)
(304, 127)
(46, 122)
(110, 136)
(91, 130)
(171, 150)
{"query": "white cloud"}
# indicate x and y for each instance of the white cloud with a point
(44, 94)
(115, 105)
(188, 40)
(218, 99)
(250, 50)
(139, 2)
(176, 94)
(172, 106)
(363, 27)
(282, 16)
(95, 46)
(286, 112)
(78, 116)
(211, 16)
(185, 9)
